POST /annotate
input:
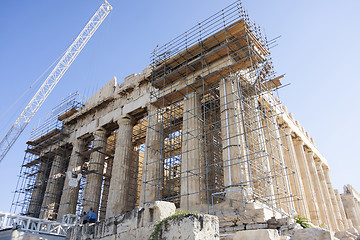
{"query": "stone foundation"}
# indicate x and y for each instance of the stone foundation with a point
(140, 224)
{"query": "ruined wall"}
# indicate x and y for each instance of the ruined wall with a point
(139, 224)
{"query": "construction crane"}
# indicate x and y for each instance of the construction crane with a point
(62, 66)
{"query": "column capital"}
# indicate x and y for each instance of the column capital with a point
(288, 130)
(298, 141)
(100, 129)
(309, 151)
(78, 144)
(125, 119)
(326, 168)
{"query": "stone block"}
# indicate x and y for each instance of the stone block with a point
(126, 235)
(253, 226)
(144, 232)
(312, 234)
(112, 237)
(98, 230)
(263, 234)
(345, 235)
(232, 229)
(191, 227)
(162, 210)
(127, 221)
(285, 238)
(109, 227)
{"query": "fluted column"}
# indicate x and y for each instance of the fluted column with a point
(54, 187)
(331, 214)
(317, 188)
(307, 181)
(351, 208)
(235, 156)
(191, 152)
(70, 192)
(232, 134)
(151, 177)
(345, 220)
(39, 188)
(94, 178)
(277, 152)
(297, 185)
(119, 195)
(334, 202)
(105, 193)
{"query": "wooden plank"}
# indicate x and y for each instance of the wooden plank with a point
(32, 151)
(43, 137)
(234, 32)
(32, 163)
(68, 114)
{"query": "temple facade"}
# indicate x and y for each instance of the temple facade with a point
(201, 127)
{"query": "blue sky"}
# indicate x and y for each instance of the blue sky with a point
(318, 50)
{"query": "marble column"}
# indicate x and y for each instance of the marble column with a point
(70, 191)
(94, 178)
(351, 209)
(151, 176)
(308, 182)
(331, 214)
(105, 193)
(297, 185)
(119, 195)
(39, 187)
(191, 152)
(277, 153)
(317, 188)
(334, 202)
(345, 220)
(234, 154)
(53, 190)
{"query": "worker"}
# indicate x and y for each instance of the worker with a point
(85, 218)
(92, 216)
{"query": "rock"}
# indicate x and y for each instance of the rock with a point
(191, 227)
(345, 235)
(263, 234)
(253, 226)
(312, 234)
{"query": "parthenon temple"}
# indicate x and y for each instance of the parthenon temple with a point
(202, 127)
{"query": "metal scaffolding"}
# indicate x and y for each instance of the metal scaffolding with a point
(46, 157)
(213, 90)
(211, 136)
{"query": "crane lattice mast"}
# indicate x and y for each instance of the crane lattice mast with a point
(64, 63)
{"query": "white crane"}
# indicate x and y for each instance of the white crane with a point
(64, 63)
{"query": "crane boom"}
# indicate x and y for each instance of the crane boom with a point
(64, 63)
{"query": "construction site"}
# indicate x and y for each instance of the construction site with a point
(201, 127)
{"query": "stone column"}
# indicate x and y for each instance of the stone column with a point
(334, 202)
(297, 185)
(39, 187)
(151, 177)
(106, 188)
(70, 191)
(351, 207)
(191, 152)
(94, 178)
(118, 201)
(308, 182)
(276, 152)
(345, 220)
(331, 214)
(317, 188)
(234, 154)
(53, 190)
